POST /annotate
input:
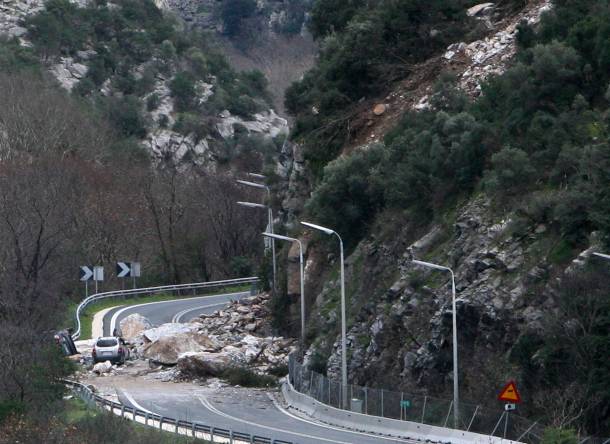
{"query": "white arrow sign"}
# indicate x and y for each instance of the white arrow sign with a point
(86, 273)
(123, 269)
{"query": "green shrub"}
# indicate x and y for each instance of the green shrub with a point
(247, 378)
(182, 88)
(559, 436)
(153, 101)
(233, 12)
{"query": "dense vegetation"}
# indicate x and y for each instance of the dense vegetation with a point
(537, 142)
(538, 132)
(364, 47)
(70, 196)
(130, 50)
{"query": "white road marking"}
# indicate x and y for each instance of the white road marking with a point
(116, 315)
(136, 405)
(213, 409)
(372, 435)
(180, 314)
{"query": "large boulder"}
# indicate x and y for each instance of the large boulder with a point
(204, 364)
(169, 329)
(132, 325)
(167, 349)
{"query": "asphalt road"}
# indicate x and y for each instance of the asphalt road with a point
(239, 409)
(246, 411)
(178, 310)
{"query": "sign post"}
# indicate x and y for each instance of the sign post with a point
(85, 275)
(510, 395)
(136, 272)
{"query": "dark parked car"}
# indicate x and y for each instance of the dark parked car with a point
(110, 349)
(64, 340)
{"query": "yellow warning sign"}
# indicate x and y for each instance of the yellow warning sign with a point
(510, 393)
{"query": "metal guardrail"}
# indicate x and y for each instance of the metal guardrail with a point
(181, 289)
(419, 409)
(172, 425)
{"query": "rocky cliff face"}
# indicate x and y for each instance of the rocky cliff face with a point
(162, 141)
(399, 315)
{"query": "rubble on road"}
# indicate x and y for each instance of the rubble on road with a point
(236, 336)
(102, 367)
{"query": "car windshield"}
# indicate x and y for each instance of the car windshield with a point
(106, 342)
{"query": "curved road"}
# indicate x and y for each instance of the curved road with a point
(238, 409)
(177, 310)
(246, 411)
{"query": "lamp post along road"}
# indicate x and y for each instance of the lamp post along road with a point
(269, 216)
(343, 320)
(302, 271)
(455, 347)
(603, 256)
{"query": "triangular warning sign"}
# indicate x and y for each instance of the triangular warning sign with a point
(510, 393)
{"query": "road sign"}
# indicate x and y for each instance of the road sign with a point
(86, 273)
(135, 269)
(98, 273)
(510, 407)
(128, 269)
(510, 393)
(123, 269)
(405, 404)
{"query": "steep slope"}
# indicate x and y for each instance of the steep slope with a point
(504, 180)
(169, 92)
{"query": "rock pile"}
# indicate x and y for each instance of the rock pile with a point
(209, 344)
(491, 55)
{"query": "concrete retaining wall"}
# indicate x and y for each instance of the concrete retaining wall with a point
(382, 426)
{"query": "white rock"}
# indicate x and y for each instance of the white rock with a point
(132, 325)
(169, 329)
(479, 9)
(102, 367)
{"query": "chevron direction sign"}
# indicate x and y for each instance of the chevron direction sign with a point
(123, 269)
(85, 273)
(128, 269)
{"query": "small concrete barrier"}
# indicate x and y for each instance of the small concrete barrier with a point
(383, 426)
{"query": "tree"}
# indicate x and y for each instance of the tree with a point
(233, 12)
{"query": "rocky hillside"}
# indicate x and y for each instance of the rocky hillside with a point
(266, 35)
(172, 94)
(462, 162)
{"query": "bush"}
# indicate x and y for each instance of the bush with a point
(182, 88)
(347, 199)
(247, 378)
(559, 436)
(233, 12)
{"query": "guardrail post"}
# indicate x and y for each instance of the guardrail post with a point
(211, 433)
(382, 403)
(231, 436)
(176, 429)
(122, 410)
(134, 414)
(366, 405)
(146, 418)
(161, 423)
(193, 430)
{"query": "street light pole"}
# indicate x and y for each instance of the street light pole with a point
(343, 317)
(269, 216)
(603, 256)
(302, 271)
(455, 345)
